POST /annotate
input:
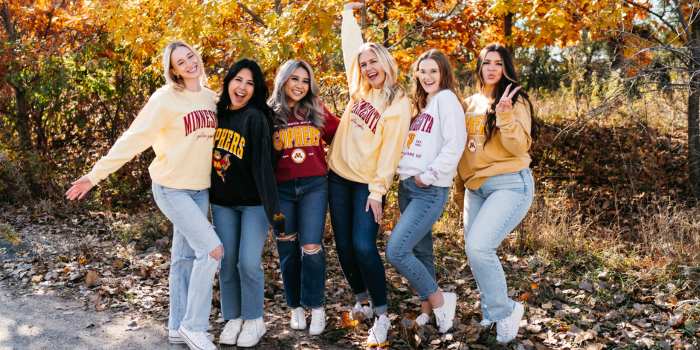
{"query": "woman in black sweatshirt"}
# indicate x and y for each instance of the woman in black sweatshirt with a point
(243, 198)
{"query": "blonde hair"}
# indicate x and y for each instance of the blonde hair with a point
(391, 89)
(171, 79)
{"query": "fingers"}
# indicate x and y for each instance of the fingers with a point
(377, 209)
(510, 97)
(367, 206)
(505, 93)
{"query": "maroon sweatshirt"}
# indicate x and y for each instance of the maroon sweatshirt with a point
(299, 148)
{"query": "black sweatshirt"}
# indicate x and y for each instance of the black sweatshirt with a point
(242, 163)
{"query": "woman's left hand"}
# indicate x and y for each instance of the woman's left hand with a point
(419, 182)
(506, 103)
(377, 209)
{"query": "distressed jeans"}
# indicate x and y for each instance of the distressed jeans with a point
(304, 203)
(242, 230)
(192, 270)
(490, 214)
(355, 233)
(410, 246)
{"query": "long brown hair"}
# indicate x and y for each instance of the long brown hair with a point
(447, 79)
(509, 77)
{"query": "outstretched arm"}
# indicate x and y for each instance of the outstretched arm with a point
(351, 35)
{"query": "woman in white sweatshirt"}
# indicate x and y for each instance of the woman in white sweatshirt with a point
(429, 159)
(179, 122)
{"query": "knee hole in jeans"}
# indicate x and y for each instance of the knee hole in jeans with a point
(311, 249)
(287, 238)
(218, 253)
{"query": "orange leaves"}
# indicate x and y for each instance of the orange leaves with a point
(346, 321)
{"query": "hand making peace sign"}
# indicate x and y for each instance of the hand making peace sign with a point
(506, 103)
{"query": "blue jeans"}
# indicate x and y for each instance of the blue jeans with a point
(242, 230)
(355, 233)
(490, 214)
(304, 203)
(192, 269)
(410, 246)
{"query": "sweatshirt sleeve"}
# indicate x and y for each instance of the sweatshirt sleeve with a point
(141, 134)
(515, 128)
(331, 125)
(351, 36)
(454, 136)
(263, 172)
(397, 119)
(460, 191)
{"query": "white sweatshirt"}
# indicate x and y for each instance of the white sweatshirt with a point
(435, 141)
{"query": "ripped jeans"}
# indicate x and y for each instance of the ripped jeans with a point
(242, 230)
(192, 269)
(304, 203)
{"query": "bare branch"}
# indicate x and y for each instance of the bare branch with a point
(669, 25)
(689, 42)
(252, 14)
(423, 28)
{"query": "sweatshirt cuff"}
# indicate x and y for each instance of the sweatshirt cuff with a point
(504, 118)
(94, 178)
(376, 196)
(426, 179)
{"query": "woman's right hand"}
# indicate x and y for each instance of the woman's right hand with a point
(353, 6)
(79, 188)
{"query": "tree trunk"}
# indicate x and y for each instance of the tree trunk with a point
(22, 118)
(385, 18)
(508, 29)
(694, 107)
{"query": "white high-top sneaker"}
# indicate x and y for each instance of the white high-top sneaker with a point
(507, 328)
(196, 340)
(378, 333)
(174, 337)
(298, 320)
(318, 321)
(446, 313)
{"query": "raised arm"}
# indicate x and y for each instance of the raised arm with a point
(351, 36)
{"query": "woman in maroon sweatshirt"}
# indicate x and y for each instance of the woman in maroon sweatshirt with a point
(302, 126)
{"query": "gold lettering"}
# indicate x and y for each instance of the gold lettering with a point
(298, 136)
(234, 143)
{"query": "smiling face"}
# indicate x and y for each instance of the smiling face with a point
(429, 76)
(371, 69)
(241, 88)
(492, 69)
(184, 63)
(297, 86)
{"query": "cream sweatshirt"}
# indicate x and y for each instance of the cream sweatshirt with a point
(180, 126)
(367, 145)
(506, 152)
(435, 141)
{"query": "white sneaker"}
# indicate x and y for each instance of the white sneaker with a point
(252, 331)
(298, 320)
(486, 322)
(196, 340)
(422, 320)
(378, 332)
(318, 321)
(231, 331)
(446, 313)
(364, 309)
(507, 328)
(174, 337)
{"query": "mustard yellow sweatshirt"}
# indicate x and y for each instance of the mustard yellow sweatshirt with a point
(180, 126)
(368, 142)
(506, 152)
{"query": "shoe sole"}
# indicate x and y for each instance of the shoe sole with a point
(224, 340)
(178, 340)
(188, 342)
(517, 313)
(299, 328)
(244, 345)
(451, 311)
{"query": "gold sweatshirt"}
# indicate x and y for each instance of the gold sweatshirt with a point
(180, 126)
(506, 152)
(367, 145)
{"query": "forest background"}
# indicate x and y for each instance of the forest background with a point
(616, 84)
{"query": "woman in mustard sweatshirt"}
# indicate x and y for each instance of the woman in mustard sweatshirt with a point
(494, 181)
(363, 158)
(179, 122)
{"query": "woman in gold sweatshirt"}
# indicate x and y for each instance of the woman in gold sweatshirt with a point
(362, 159)
(179, 122)
(494, 181)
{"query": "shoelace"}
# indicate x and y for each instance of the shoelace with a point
(248, 327)
(317, 321)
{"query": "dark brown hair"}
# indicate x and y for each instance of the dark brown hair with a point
(447, 79)
(509, 77)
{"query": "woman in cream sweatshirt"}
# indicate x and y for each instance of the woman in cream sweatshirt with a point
(179, 122)
(494, 181)
(363, 158)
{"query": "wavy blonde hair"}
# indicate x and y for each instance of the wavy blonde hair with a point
(391, 89)
(170, 78)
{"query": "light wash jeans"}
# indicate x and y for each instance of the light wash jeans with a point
(410, 246)
(192, 269)
(490, 214)
(243, 230)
